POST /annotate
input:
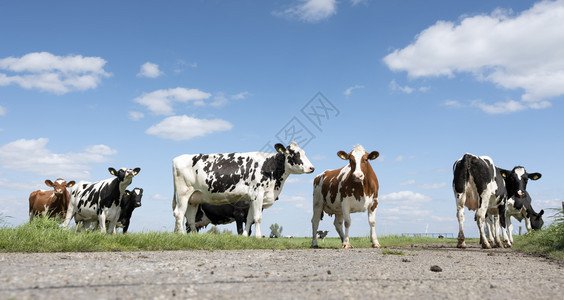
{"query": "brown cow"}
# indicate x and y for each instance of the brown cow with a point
(352, 188)
(50, 203)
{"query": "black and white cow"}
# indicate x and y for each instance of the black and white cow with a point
(519, 201)
(99, 201)
(478, 184)
(256, 177)
(222, 214)
(130, 201)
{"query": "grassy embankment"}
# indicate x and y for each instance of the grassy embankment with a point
(44, 235)
(549, 241)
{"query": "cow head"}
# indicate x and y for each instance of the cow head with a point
(516, 181)
(137, 194)
(358, 161)
(295, 159)
(124, 173)
(536, 219)
(59, 186)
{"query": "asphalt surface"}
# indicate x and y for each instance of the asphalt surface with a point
(437, 272)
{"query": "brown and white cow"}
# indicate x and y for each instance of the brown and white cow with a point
(50, 203)
(350, 189)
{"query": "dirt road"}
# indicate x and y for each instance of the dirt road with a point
(283, 274)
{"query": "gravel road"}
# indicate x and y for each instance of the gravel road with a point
(283, 274)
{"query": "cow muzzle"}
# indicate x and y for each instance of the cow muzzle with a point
(358, 177)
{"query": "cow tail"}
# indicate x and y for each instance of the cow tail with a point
(174, 187)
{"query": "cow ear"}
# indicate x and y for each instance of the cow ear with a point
(280, 148)
(534, 176)
(373, 155)
(70, 183)
(112, 171)
(541, 212)
(49, 183)
(503, 173)
(343, 155)
(136, 171)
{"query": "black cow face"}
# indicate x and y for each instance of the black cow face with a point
(536, 220)
(516, 181)
(123, 173)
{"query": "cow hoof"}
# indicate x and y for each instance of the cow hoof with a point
(375, 245)
(507, 245)
(315, 246)
(346, 247)
(486, 246)
(461, 245)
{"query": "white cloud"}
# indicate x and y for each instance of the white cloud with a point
(219, 100)
(160, 101)
(240, 96)
(32, 156)
(51, 73)
(149, 70)
(394, 86)
(2, 111)
(180, 128)
(136, 115)
(312, 10)
(160, 197)
(525, 52)
(349, 91)
(399, 158)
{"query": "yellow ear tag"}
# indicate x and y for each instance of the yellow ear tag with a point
(535, 177)
(503, 175)
(342, 156)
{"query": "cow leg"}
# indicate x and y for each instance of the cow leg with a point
(347, 219)
(69, 216)
(112, 227)
(339, 226)
(102, 222)
(256, 207)
(480, 218)
(503, 223)
(495, 228)
(180, 208)
(509, 229)
(528, 224)
(460, 216)
(317, 212)
(372, 223)
(250, 218)
(191, 212)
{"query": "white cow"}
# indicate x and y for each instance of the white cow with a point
(100, 201)
(230, 177)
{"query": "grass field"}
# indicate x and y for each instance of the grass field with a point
(45, 235)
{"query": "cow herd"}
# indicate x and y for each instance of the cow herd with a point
(225, 187)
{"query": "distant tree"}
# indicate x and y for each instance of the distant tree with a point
(213, 230)
(275, 230)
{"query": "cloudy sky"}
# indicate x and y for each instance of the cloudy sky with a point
(89, 85)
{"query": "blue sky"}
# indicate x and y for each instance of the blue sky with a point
(89, 85)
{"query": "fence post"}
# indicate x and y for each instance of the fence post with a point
(520, 227)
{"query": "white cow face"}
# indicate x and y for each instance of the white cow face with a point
(516, 181)
(358, 161)
(296, 161)
(59, 186)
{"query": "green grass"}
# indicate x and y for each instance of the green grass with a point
(549, 241)
(45, 235)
